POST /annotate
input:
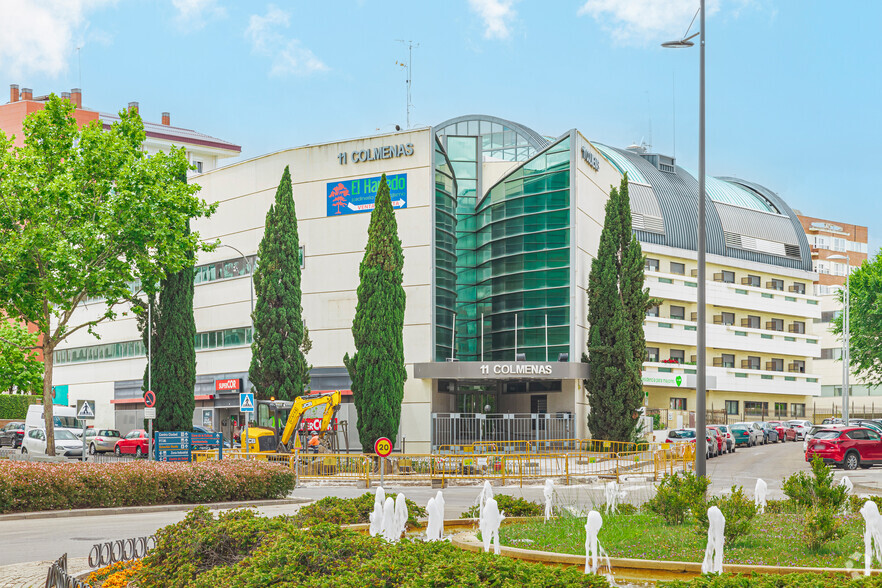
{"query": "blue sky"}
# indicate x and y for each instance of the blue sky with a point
(793, 87)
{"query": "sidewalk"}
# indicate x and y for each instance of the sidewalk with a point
(33, 574)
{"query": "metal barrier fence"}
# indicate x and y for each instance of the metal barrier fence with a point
(469, 428)
(586, 459)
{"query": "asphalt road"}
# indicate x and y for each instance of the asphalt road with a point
(28, 540)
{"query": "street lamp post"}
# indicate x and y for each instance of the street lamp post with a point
(846, 326)
(250, 270)
(701, 327)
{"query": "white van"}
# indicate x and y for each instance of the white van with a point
(65, 418)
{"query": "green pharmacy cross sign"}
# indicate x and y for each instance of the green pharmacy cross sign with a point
(679, 380)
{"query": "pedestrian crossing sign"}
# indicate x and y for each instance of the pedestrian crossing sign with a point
(246, 402)
(86, 410)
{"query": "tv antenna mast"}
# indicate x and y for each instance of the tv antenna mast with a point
(407, 66)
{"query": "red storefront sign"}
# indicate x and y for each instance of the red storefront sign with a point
(315, 424)
(233, 385)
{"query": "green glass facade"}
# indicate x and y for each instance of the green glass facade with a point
(445, 254)
(523, 259)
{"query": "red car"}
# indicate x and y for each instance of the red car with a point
(133, 443)
(722, 446)
(785, 433)
(848, 447)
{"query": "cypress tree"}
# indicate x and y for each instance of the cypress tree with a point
(278, 366)
(617, 304)
(174, 358)
(377, 368)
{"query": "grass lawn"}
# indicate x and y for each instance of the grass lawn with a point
(775, 539)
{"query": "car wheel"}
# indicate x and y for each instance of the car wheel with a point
(138, 452)
(116, 451)
(851, 461)
(24, 450)
(92, 450)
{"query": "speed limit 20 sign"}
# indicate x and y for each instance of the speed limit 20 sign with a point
(383, 447)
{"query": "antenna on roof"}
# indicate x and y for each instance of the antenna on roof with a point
(407, 66)
(649, 111)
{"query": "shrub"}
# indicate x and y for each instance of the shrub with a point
(818, 490)
(268, 552)
(773, 581)
(738, 509)
(677, 494)
(856, 502)
(821, 526)
(349, 511)
(785, 506)
(27, 487)
(511, 506)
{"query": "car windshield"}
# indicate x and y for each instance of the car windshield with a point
(738, 429)
(723, 428)
(681, 435)
(64, 435)
(68, 422)
(110, 433)
(133, 435)
(825, 434)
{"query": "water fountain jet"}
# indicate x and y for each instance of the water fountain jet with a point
(872, 535)
(376, 517)
(549, 494)
(713, 553)
(759, 495)
(489, 524)
(594, 553)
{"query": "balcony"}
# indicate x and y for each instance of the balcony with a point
(773, 366)
(796, 368)
(736, 380)
(773, 326)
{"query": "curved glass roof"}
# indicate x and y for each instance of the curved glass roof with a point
(621, 162)
(729, 193)
(500, 138)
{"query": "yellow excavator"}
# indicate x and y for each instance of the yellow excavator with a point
(279, 420)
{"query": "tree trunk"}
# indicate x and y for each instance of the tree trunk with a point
(48, 416)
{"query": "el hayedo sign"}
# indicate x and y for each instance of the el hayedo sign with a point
(359, 195)
(377, 153)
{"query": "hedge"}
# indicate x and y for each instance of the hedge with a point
(15, 406)
(28, 487)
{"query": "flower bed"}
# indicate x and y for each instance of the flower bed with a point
(28, 487)
(350, 511)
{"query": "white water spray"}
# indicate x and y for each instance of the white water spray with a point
(491, 518)
(389, 520)
(847, 483)
(713, 554)
(759, 495)
(549, 494)
(611, 493)
(439, 508)
(376, 517)
(872, 535)
(594, 553)
(435, 526)
(401, 515)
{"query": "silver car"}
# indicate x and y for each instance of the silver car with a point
(757, 435)
(801, 428)
(101, 440)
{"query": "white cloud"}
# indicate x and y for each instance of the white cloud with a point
(288, 55)
(645, 21)
(192, 14)
(38, 35)
(497, 16)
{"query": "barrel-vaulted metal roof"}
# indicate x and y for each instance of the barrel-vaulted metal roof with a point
(744, 220)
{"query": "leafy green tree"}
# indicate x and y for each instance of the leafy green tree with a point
(865, 320)
(84, 213)
(278, 366)
(20, 370)
(617, 303)
(377, 368)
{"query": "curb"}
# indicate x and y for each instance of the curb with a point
(92, 512)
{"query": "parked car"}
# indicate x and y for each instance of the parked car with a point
(757, 435)
(785, 433)
(848, 448)
(770, 435)
(811, 433)
(741, 435)
(800, 427)
(135, 442)
(866, 423)
(12, 434)
(689, 436)
(716, 441)
(832, 421)
(66, 443)
(101, 440)
(727, 437)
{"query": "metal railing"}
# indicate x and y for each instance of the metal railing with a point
(452, 429)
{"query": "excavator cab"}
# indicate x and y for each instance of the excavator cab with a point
(278, 421)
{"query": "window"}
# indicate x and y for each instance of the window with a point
(728, 277)
(756, 409)
(776, 365)
(777, 285)
(775, 325)
(751, 281)
(751, 322)
(651, 265)
(652, 311)
(798, 288)
(728, 360)
(198, 165)
(732, 407)
(652, 354)
(679, 355)
(797, 366)
(302, 257)
(678, 312)
(828, 315)
(780, 409)
(753, 362)
(728, 318)
(831, 353)
(797, 410)
(678, 404)
(840, 244)
(678, 268)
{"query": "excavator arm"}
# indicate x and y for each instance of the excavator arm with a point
(331, 402)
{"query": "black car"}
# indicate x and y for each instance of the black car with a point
(770, 433)
(12, 434)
